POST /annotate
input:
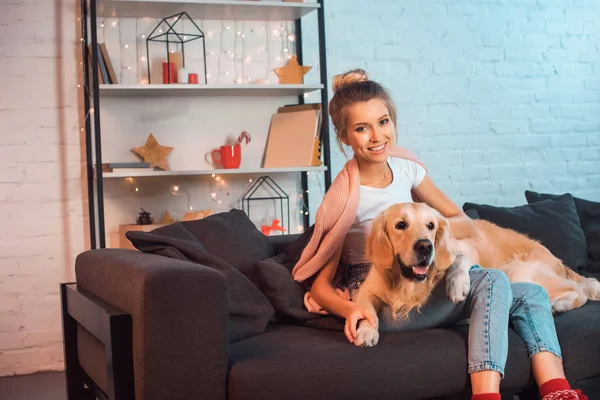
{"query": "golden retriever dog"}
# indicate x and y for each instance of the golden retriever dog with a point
(412, 250)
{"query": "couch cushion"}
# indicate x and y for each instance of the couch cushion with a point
(589, 219)
(291, 362)
(249, 309)
(579, 336)
(553, 222)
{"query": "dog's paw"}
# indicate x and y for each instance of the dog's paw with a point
(458, 284)
(366, 335)
(591, 288)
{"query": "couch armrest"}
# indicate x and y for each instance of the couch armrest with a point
(179, 314)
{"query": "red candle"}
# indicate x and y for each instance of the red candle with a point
(166, 67)
(193, 78)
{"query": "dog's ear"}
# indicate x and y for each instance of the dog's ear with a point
(379, 248)
(443, 254)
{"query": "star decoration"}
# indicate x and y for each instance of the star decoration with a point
(292, 72)
(154, 153)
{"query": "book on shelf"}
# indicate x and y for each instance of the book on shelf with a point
(293, 139)
(106, 72)
(127, 167)
(108, 64)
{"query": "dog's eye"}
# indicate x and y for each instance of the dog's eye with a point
(401, 225)
(430, 226)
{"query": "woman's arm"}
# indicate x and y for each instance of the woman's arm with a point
(461, 225)
(324, 293)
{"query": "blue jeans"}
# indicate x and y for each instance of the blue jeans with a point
(492, 303)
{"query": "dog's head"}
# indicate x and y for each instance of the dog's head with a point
(412, 236)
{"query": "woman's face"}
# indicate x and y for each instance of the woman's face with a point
(370, 131)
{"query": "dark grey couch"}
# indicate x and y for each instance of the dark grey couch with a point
(180, 350)
(208, 310)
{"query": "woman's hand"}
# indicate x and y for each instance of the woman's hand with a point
(353, 316)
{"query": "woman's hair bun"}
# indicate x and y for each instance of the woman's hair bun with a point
(348, 78)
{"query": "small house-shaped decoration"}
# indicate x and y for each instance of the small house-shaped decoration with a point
(276, 195)
(170, 31)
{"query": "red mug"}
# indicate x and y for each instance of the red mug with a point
(228, 156)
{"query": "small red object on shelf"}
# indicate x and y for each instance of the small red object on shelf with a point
(193, 78)
(265, 229)
(166, 67)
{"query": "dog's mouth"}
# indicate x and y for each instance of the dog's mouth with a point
(416, 272)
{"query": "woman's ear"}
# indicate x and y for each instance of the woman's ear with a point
(379, 248)
(443, 254)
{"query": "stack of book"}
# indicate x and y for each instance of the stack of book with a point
(126, 167)
(294, 137)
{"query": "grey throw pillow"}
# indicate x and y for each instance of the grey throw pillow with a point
(553, 222)
(589, 219)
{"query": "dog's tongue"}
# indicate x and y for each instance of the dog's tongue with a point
(420, 270)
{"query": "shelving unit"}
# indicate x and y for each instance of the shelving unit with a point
(246, 10)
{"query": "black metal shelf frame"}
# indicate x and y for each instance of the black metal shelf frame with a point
(92, 110)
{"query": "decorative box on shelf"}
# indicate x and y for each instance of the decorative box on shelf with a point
(124, 243)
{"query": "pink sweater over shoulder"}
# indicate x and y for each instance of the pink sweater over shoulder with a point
(335, 216)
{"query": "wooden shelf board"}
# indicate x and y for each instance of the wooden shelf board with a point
(247, 171)
(206, 9)
(205, 90)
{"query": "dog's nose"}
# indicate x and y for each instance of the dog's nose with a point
(423, 246)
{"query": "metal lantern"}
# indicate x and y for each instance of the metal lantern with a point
(279, 198)
(170, 31)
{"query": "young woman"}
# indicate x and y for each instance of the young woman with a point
(378, 176)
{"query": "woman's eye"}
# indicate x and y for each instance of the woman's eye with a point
(360, 129)
(430, 226)
(384, 121)
(401, 225)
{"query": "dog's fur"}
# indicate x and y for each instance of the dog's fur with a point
(521, 258)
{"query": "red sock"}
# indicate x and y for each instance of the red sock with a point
(554, 385)
(486, 396)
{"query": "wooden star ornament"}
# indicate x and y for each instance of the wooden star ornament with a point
(154, 153)
(292, 73)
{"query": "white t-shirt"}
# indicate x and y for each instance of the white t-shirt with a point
(406, 175)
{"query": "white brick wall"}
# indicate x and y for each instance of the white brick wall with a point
(495, 96)
(42, 223)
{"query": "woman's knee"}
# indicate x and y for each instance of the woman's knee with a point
(493, 277)
(529, 291)
(497, 281)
